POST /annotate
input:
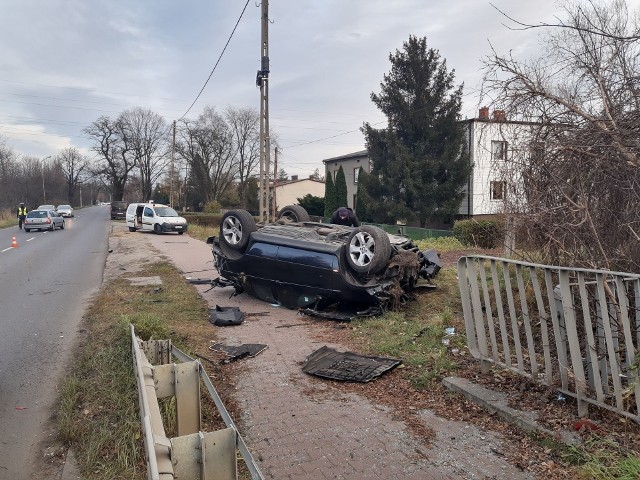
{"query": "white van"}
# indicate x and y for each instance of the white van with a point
(153, 217)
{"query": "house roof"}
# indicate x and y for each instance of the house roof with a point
(289, 182)
(361, 153)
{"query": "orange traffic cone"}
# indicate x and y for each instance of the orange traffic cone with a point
(14, 243)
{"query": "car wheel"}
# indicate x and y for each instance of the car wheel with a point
(132, 229)
(156, 229)
(180, 233)
(62, 226)
(27, 230)
(368, 249)
(53, 227)
(235, 229)
(294, 213)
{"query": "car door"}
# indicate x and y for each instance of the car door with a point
(147, 219)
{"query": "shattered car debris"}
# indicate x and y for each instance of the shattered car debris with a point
(302, 264)
(347, 366)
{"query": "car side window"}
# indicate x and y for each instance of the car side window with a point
(148, 212)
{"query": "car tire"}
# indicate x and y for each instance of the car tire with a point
(236, 227)
(294, 213)
(27, 230)
(180, 233)
(132, 229)
(62, 226)
(53, 227)
(156, 229)
(368, 249)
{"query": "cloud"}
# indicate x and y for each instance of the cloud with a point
(67, 62)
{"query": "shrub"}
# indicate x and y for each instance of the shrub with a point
(479, 233)
(212, 207)
(203, 219)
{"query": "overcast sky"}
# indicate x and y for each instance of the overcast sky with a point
(64, 63)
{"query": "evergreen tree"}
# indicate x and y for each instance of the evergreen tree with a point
(341, 189)
(312, 204)
(420, 161)
(316, 175)
(329, 197)
(362, 199)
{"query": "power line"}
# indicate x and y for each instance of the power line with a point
(218, 61)
(332, 136)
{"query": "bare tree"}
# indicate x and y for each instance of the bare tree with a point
(208, 148)
(73, 165)
(145, 136)
(114, 162)
(10, 195)
(577, 168)
(244, 125)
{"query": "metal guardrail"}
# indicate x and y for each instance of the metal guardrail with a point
(577, 329)
(193, 454)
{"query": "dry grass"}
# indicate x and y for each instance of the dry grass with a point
(7, 218)
(98, 416)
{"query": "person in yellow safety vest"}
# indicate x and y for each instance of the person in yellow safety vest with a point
(22, 214)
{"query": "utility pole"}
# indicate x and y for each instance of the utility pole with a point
(171, 170)
(262, 80)
(275, 180)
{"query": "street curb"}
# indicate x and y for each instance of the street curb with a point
(497, 403)
(70, 470)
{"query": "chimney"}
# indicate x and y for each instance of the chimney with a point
(499, 116)
(484, 113)
(294, 177)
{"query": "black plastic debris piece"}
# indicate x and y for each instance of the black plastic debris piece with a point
(199, 281)
(343, 314)
(347, 366)
(225, 316)
(236, 353)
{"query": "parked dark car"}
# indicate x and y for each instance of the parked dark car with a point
(303, 264)
(43, 220)
(118, 209)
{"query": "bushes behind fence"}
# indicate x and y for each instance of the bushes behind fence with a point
(479, 233)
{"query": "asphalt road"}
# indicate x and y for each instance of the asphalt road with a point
(45, 285)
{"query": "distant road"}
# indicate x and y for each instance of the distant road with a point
(45, 285)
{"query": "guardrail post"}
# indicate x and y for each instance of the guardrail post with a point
(206, 456)
(187, 385)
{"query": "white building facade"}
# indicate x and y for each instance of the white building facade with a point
(497, 150)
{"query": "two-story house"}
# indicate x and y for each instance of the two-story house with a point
(498, 148)
(351, 164)
(495, 151)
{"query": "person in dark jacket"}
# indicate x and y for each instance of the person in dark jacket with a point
(345, 216)
(22, 214)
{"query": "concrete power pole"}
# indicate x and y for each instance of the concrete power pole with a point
(262, 80)
(275, 181)
(172, 169)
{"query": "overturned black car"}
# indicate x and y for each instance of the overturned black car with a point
(302, 264)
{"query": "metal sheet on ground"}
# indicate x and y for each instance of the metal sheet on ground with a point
(347, 366)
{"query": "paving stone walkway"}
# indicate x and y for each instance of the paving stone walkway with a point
(300, 427)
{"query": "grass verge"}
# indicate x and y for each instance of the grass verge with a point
(98, 415)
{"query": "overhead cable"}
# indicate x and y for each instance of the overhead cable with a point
(218, 61)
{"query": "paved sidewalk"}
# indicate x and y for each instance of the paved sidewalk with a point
(300, 427)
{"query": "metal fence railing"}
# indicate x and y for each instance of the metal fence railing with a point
(576, 329)
(193, 454)
(414, 233)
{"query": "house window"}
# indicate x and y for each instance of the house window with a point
(537, 152)
(356, 171)
(498, 150)
(497, 190)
